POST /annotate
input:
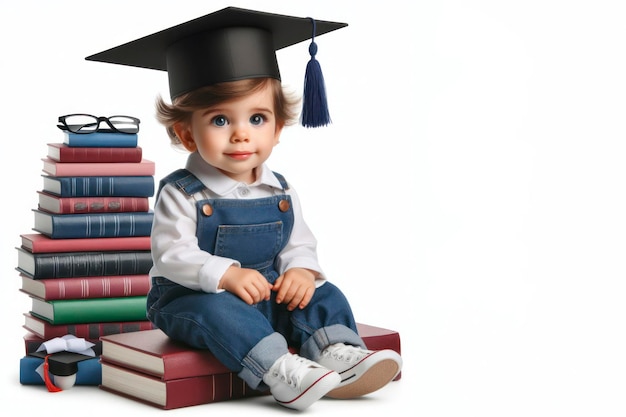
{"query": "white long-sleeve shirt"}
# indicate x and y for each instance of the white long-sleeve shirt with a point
(175, 251)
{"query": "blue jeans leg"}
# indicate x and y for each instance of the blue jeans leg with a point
(225, 325)
(326, 320)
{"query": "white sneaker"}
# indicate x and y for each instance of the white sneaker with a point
(296, 382)
(362, 371)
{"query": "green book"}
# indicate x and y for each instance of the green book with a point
(92, 310)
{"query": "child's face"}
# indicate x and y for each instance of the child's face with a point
(235, 136)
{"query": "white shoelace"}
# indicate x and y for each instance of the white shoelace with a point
(292, 368)
(345, 353)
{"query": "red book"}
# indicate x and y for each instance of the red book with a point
(150, 367)
(45, 330)
(40, 243)
(32, 343)
(378, 338)
(72, 205)
(63, 153)
(174, 393)
(94, 169)
(86, 287)
(152, 352)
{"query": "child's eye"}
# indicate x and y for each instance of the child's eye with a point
(257, 119)
(219, 121)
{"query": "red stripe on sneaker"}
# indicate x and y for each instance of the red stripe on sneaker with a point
(310, 386)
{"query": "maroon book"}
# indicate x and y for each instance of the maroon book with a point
(32, 342)
(153, 352)
(173, 393)
(86, 287)
(63, 153)
(40, 243)
(45, 330)
(72, 205)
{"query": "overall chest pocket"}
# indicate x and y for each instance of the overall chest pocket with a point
(255, 245)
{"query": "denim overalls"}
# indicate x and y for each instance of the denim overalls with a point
(247, 338)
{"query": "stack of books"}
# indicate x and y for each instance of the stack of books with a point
(151, 368)
(85, 266)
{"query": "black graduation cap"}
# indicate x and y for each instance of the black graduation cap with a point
(227, 45)
(61, 364)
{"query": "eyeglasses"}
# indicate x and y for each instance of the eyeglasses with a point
(86, 123)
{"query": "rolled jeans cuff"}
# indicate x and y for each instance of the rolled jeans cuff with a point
(322, 338)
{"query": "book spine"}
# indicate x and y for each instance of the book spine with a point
(75, 205)
(98, 310)
(89, 371)
(105, 186)
(207, 389)
(39, 243)
(89, 169)
(101, 225)
(183, 392)
(104, 140)
(88, 331)
(96, 287)
(68, 265)
(84, 154)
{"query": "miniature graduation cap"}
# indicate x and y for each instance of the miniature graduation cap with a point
(229, 45)
(63, 366)
(61, 356)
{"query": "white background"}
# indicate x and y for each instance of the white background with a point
(469, 194)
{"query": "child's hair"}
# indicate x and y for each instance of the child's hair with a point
(182, 107)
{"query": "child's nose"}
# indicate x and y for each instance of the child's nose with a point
(240, 135)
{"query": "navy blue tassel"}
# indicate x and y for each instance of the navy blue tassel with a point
(314, 105)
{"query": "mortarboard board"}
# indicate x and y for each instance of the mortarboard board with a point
(227, 45)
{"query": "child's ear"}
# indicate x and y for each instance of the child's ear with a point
(277, 132)
(183, 132)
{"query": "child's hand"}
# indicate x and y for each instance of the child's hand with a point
(295, 288)
(247, 284)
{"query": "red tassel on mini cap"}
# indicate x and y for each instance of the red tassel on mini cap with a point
(46, 376)
(314, 104)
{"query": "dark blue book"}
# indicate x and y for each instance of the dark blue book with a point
(101, 140)
(93, 225)
(89, 371)
(109, 186)
(83, 264)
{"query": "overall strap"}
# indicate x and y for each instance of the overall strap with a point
(184, 181)
(282, 180)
